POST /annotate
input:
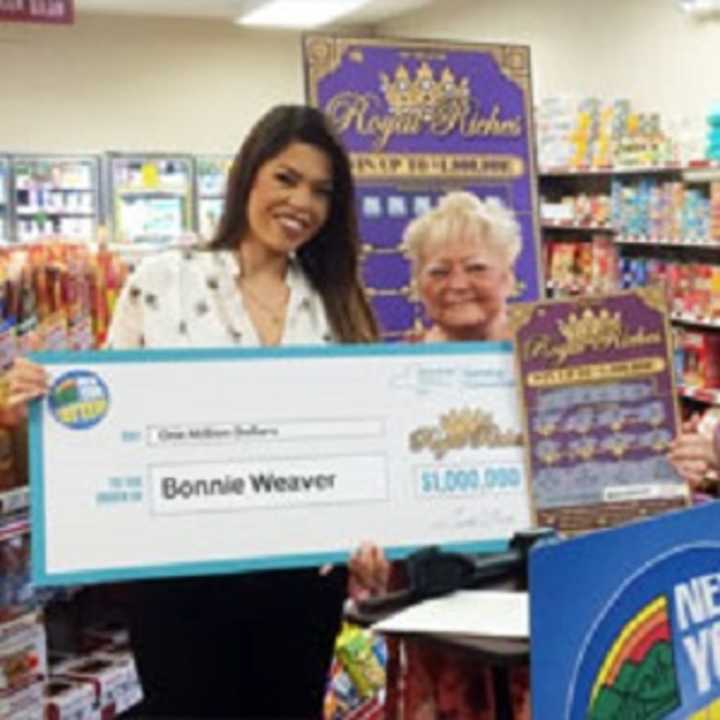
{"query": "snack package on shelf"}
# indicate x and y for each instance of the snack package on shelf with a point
(693, 358)
(23, 651)
(713, 312)
(711, 366)
(129, 691)
(678, 340)
(16, 591)
(24, 305)
(70, 700)
(356, 684)
(605, 265)
(25, 703)
(116, 690)
(714, 220)
(564, 267)
(700, 359)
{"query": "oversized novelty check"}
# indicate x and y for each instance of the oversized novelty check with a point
(163, 463)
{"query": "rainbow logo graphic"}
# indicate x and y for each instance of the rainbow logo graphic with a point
(638, 679)
(79, 399)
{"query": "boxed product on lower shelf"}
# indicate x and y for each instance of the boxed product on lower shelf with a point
(111, 674)
(70, 700)
(23, 666)
(23, 651)
(25, 703)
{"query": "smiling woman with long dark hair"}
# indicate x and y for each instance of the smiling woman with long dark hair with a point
(282, 270)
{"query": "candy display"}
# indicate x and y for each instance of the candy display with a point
(53, 296)
(583, 209)
(660, 210)
(357, 677)
(577, 265)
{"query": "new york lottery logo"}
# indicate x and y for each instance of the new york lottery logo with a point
(638, 674)
(654, 652)
(79, 399)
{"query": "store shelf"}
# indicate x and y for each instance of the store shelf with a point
(702, 172)
(49, 188)
(708, 396)
(686, 319)
(141, 248)
(620, 170)
(562, 225)
(14, 500)
(144, 192)
(644, 240)
(54, 211)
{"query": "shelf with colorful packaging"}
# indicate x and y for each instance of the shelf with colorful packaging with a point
(667, 231)
(58, 657)
(211, 172)
(589, 219)
(55, 195)
(590, 150)
(150, 197)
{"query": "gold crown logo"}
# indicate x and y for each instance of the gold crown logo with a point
(423, 93)
(590, 330)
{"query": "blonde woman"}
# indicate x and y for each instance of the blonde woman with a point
(461, 256)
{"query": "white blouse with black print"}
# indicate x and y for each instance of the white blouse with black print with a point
(190, 299)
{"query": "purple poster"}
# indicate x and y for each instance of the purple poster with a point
(600, 409)
(61, 12)
(422, 119)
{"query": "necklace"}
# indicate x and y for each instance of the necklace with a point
(276, 317)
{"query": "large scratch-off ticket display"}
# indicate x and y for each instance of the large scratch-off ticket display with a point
(600, 409)
(159, 463)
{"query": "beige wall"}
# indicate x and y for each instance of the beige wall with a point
(140, 84)
(646, 50)
(160, 84)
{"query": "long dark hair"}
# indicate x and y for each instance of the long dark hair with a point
(330, 259)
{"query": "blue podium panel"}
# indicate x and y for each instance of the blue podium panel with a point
(625, 623)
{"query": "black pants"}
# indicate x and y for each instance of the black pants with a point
(256, 645)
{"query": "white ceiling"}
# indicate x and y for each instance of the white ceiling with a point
(374, 12)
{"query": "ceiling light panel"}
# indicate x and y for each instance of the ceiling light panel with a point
(299, 13)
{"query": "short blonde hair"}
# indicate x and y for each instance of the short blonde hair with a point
(456, 213)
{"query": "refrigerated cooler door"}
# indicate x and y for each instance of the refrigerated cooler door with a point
(56, 196)
(211, 172)
(151, 198)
